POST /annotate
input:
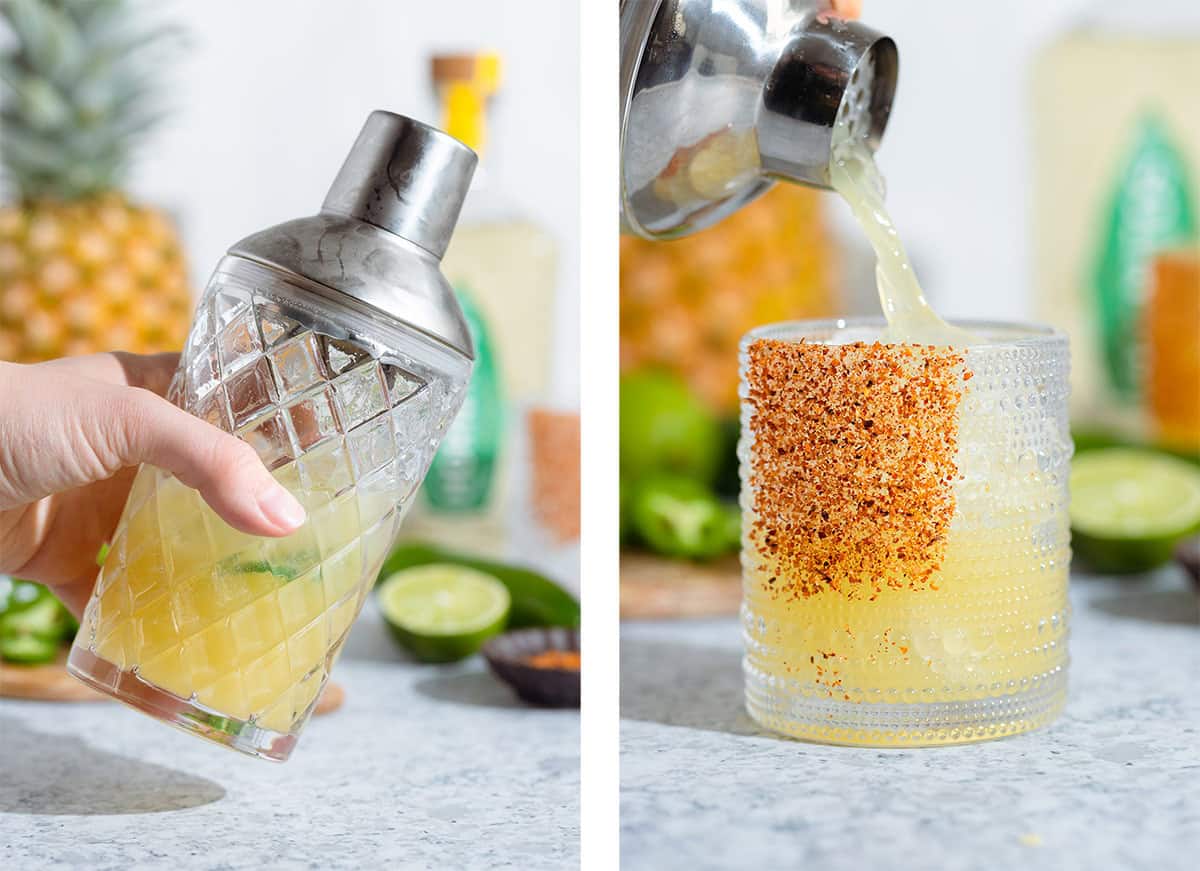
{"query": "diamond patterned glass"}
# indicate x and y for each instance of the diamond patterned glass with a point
(231, 635)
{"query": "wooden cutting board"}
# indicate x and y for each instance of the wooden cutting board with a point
(51, 683)
(45, 683)
(653, 588)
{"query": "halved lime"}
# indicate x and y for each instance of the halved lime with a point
(1130, 507)
(536, 600)
(443, 612)
(27, 649)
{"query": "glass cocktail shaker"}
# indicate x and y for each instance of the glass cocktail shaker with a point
(333, 345)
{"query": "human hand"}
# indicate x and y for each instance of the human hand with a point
(848, 8)
(72, 433)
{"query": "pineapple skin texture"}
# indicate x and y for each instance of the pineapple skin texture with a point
(685, 304)
(92, 274)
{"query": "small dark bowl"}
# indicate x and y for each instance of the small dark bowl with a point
(547, 687)
(1188, 555)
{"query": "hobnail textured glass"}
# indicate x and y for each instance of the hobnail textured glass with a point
(232, 636)
(978, 652)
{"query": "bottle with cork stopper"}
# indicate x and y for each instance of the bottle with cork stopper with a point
(503, 267)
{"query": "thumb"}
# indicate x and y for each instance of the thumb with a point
(140, 427)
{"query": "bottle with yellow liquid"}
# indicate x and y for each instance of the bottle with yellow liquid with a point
(503, 268)
(333, 345)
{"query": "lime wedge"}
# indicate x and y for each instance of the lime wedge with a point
(1130, 508)
(443, 612)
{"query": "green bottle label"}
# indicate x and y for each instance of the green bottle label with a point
(1151, 209)
(462, 473)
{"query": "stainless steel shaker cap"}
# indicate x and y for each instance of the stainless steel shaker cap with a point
(720, 100)
(384, 227)
(404, 177)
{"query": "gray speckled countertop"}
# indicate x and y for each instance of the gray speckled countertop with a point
(423, 767)
(1114, 783)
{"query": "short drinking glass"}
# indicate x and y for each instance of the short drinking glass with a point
(905, 534)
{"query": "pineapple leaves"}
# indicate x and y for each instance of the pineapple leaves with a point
(10, 75)
(34, 149)
(56, 168)
(41, 104)
(47, 35)
(79, 87)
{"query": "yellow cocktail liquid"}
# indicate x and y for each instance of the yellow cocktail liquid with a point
(245, 626)
(989, 623)
(854, 174)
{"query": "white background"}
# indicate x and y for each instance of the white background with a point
(270, 94)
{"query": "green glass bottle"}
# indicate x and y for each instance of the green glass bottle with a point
(462, 474)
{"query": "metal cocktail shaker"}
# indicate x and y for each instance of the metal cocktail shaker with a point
(721, 99)
(334, 346)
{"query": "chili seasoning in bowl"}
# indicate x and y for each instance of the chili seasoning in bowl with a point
(541, 665)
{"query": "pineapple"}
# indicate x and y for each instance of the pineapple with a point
(82, 267)
(685, 304)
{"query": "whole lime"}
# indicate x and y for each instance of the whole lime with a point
(666, 428)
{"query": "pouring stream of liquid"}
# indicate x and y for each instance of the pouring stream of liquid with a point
(854, 175)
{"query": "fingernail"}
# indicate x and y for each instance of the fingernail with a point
(281, 508)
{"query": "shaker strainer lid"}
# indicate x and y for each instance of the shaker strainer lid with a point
(384, 227)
